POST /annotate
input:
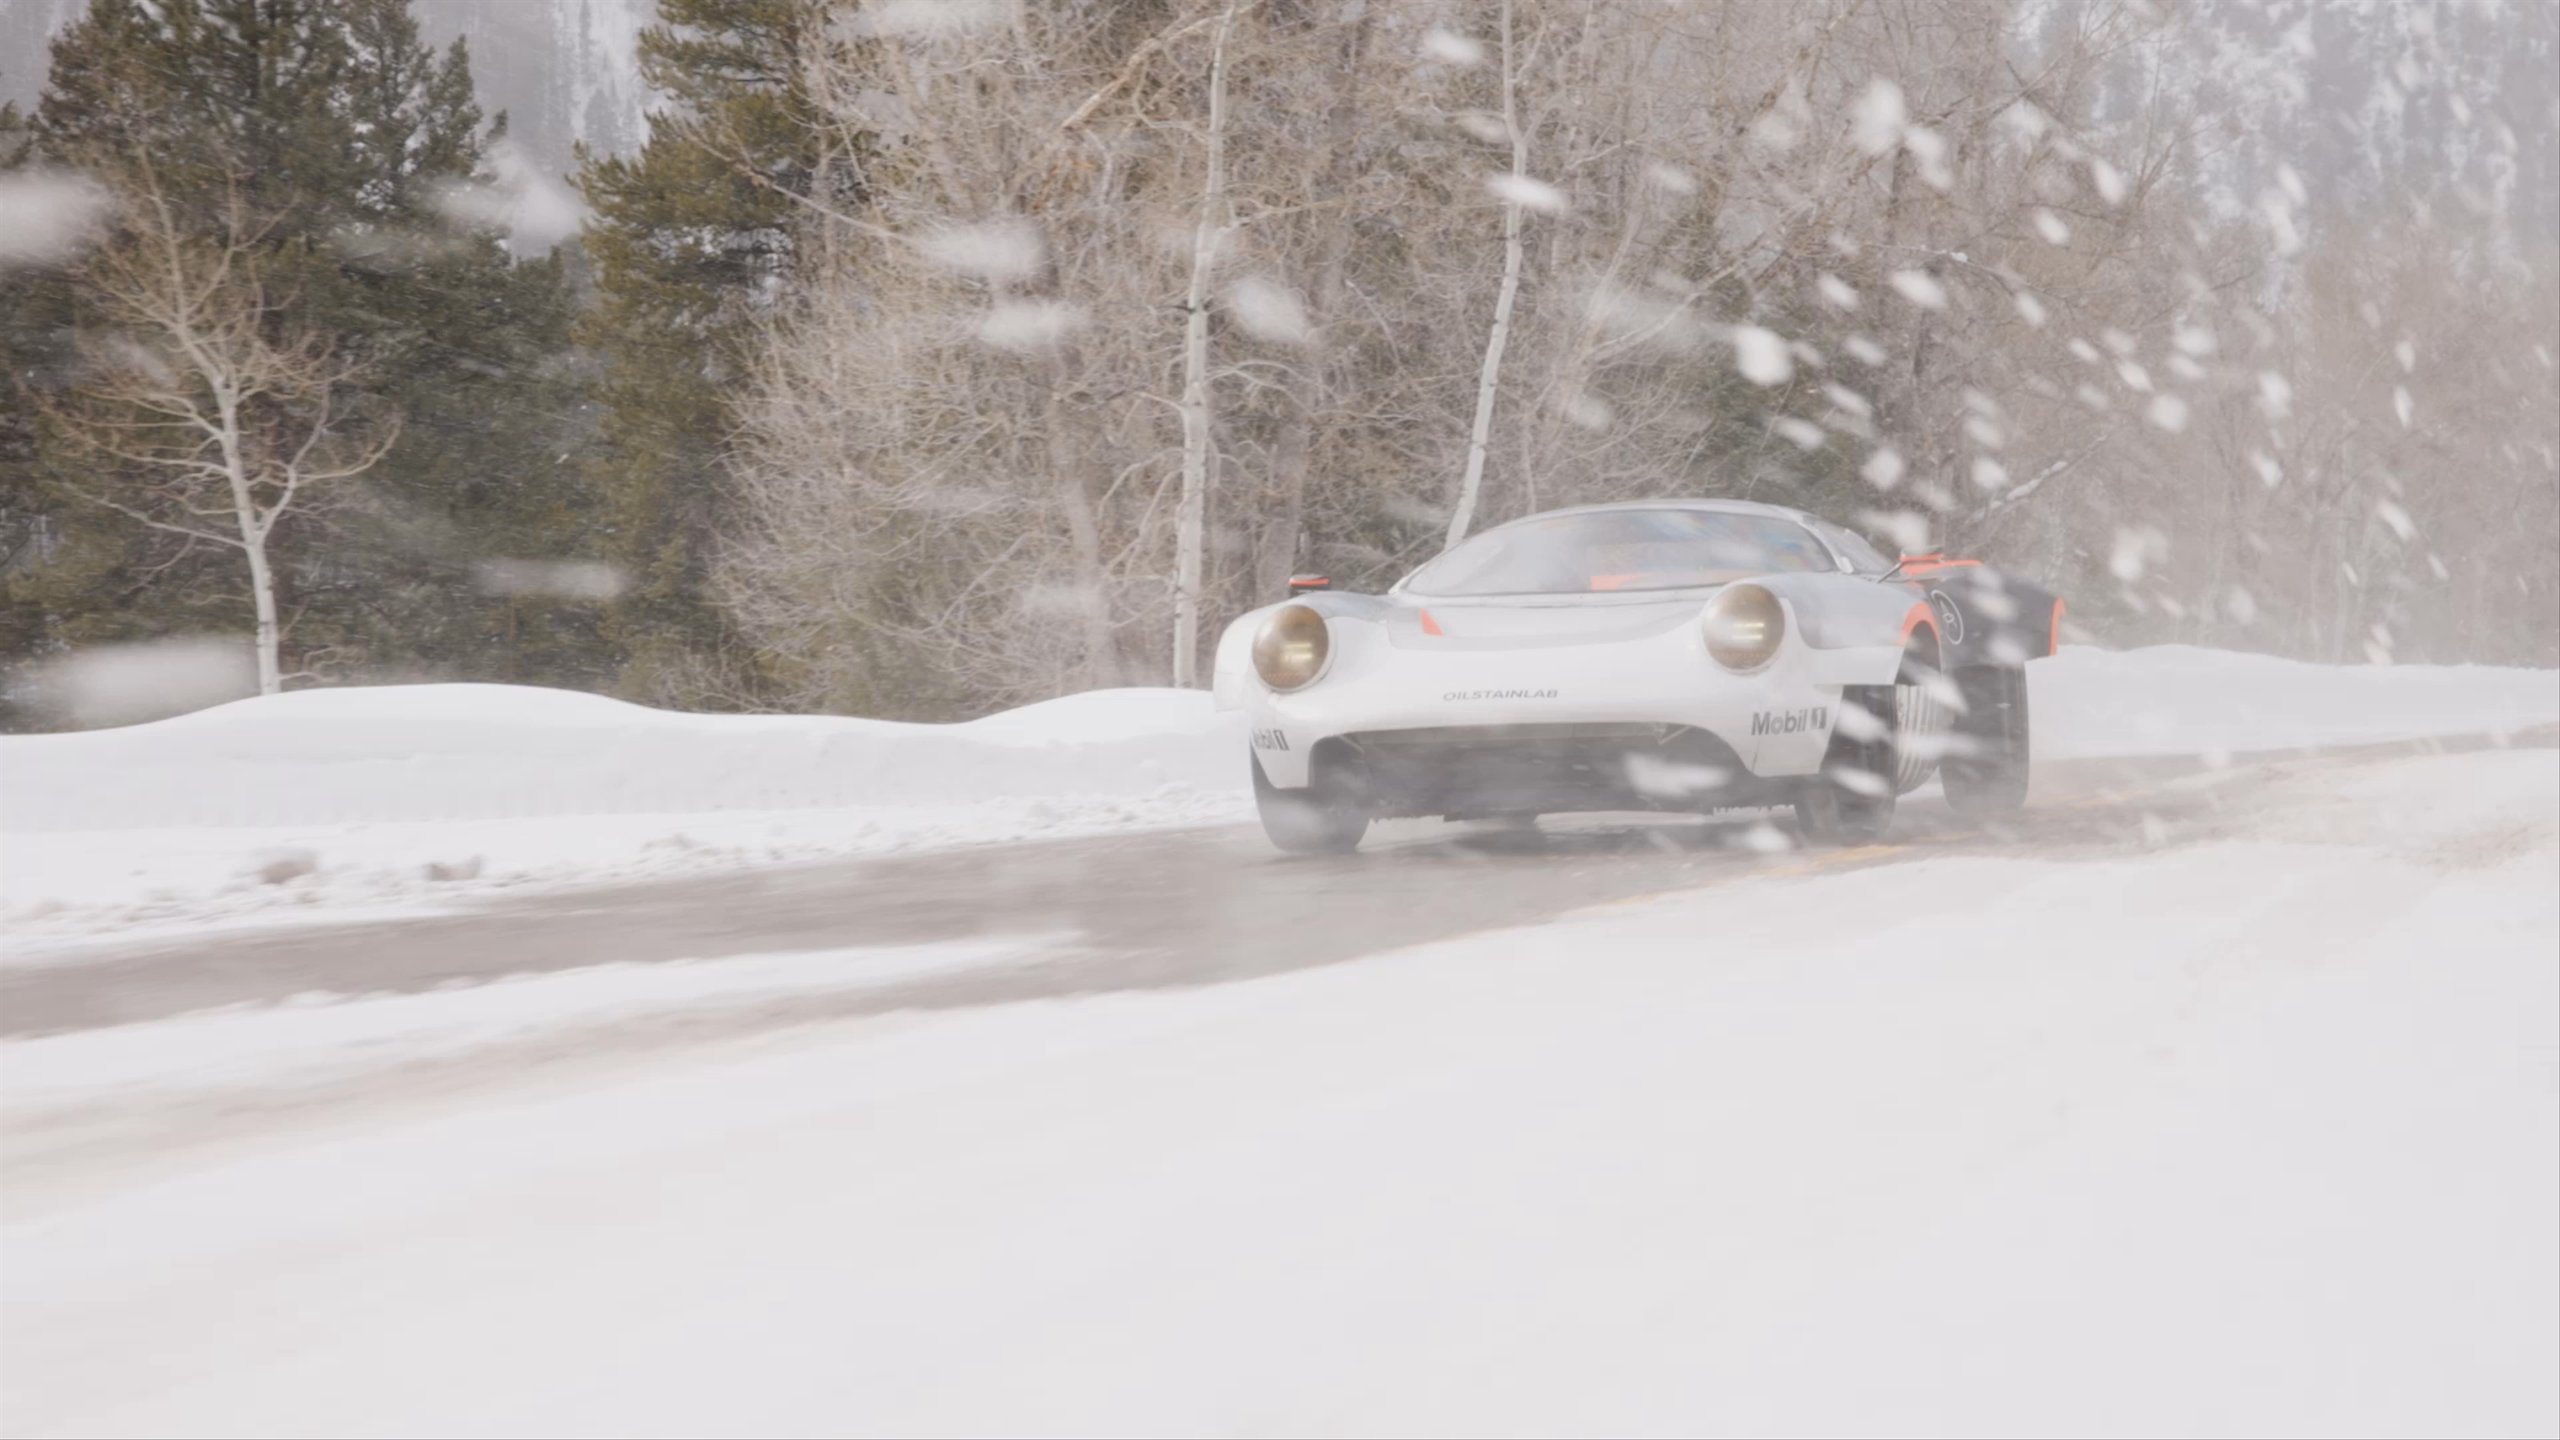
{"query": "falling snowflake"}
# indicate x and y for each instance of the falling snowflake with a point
(1908, 530)
(1269, 310)
(1848, 400)
(2275, 395)
(2133, 551)
(1920, 288)
(1527, 193)
(1877, 123)
(927, 18)
(1763, 838)
(2108, 179)
(1803, 434)
(46, 214)
(1590, 412)
(1000, 250)
(1029, 325)
(1451, 48)
(1670, 179)
(1761, 356)
(1928, 150)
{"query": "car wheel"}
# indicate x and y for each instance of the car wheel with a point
(1312, 821)
(1851, 801)
(1987, 775)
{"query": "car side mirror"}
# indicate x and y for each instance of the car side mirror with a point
(1301, 584)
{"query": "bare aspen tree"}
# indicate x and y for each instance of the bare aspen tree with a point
(1190, 527)
(1498, 334)
(1930, 267)
(1314, 401)
(211, 414)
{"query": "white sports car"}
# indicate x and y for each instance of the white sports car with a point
(1663, 655)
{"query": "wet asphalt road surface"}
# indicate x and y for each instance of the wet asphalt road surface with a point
(1169, 908)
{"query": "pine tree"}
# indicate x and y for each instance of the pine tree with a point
(688, 237)
(351, 139)
(473, 347)
(27, 532)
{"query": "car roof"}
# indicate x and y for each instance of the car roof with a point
(1728, 507)
(1732, 507)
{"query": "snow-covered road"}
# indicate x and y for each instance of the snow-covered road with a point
(2234, 1118)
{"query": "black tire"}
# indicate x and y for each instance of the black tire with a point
(1851, 801)
(1987, 774)
(1312, 821)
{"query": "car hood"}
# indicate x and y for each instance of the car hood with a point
(1415, 621)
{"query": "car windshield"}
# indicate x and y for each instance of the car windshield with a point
(1617, 550)
(1866, 559)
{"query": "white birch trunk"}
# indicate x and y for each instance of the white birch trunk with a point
(1472, 486)
(262, 588)
(1191, 523)
(253, 545)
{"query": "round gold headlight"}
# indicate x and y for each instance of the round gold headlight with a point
(1743, 626)
(1291, 647)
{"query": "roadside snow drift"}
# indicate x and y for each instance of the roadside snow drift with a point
(2185, 700)
(394, 795)
(482, 752)
(397, 796)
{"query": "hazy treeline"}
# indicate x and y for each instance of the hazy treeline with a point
(942, 355)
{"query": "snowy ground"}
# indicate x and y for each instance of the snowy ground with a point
(2259, 1134)
(332, 803)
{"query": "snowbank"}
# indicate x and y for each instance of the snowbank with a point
(480, 752)
(408, 795)
(2183, 700)
(401, 795)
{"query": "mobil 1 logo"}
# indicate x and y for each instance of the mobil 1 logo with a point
(1791, 722)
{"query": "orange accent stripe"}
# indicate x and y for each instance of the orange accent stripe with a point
(2054, 645)
(1919, 565)
(1615, 582)
(1917, 616)
(1429, 625)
